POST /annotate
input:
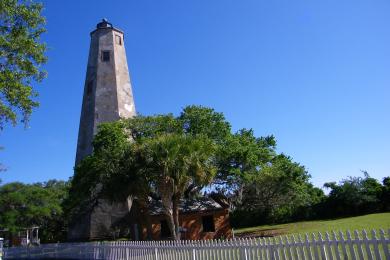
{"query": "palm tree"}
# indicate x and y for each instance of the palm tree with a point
(177, 161)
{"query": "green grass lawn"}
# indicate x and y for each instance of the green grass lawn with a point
(367, 222)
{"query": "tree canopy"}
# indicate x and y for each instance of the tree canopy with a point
(168, 158)
(22, 55)
(354, 196)
(38, 204)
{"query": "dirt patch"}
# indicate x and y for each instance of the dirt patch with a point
(270, 232)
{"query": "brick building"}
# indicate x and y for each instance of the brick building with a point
(203, 218)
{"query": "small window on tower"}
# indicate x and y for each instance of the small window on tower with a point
(118, 40)
(105, 56)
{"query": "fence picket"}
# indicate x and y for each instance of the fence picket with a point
(295, 248)
(276, 247)
(374, 240)
(384, 244)
(300, 248)
(265, 248)
(343, 245)
(359, 245)
(336, 244)
(256, 249)
(351, 245)
(315, 248)
(308, 247)
(367, 245)
(328, 247)
(261, 248)
(287, 247)
(321, 245)
(272, 248)
(220, 248)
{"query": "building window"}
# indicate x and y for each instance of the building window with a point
(89, 87)
(208, 223)
(118, 40)
(165, 232)
(105, 56)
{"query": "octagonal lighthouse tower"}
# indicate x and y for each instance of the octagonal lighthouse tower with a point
(107, 90)
(107, 97)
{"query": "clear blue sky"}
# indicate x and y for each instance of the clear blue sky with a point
(316, 74)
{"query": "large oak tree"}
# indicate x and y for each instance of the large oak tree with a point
(22, 55)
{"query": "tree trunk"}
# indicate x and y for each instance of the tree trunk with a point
(166, 192)
(175, 206)
(171, 225)
(144, 206)
(149, 226)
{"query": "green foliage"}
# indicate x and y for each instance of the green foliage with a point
(174, 162)
(141, 127)
(281, 183)
(39, 204)
(241, 157)
(385, 194)
(110, 147)
(168, 158)
(276, 193)
(198, 120)
(184, 159)
(2, 166)
(22, 54)
(110, 138)
(353, 196)
(299, 200)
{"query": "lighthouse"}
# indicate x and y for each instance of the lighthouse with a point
(108, 93)
(107, 97)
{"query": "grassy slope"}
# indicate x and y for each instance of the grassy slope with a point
(367, 222)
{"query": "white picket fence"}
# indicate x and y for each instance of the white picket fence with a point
(358, 245)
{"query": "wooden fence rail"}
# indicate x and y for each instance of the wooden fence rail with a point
(334, 245)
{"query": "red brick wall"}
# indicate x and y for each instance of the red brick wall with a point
(193, 223)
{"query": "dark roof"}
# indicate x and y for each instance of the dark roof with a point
(104, 24)
(187, 205)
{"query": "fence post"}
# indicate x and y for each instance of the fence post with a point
(156, 253)
(244, 255)
(350, 244)
(384, 244)
(358, 244)
(367, 244)
(375, 241)
(272, 251)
